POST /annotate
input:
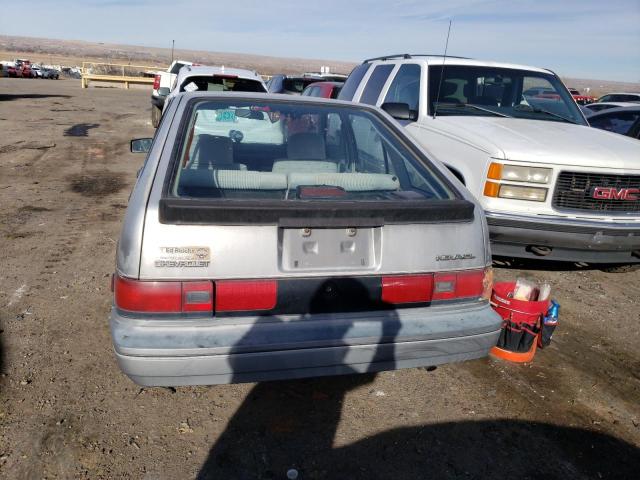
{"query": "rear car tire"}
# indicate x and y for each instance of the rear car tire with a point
(624, 268)
(156, 114)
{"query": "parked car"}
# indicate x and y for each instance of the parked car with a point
(620, 97)
(580, 98)
(36, 72)
(50, 73)
(592, 108)
(215, 79)
(551, 187)
(12, 71)
(625, 121)
(323, 89)
(291, 85)
(311, 255)
(162, 83)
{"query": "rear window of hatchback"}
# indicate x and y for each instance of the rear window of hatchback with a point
(296, 151)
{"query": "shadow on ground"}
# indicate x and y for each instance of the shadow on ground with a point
(556, 266)
(293, 424)
(7, 97)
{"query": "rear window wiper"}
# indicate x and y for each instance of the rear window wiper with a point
(475, 107)
(529, 108)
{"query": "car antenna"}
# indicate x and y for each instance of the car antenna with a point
(444, 58)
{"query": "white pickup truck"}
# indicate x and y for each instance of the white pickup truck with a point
(551, 186)
(162, 83)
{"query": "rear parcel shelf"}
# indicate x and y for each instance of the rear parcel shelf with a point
(300, 213)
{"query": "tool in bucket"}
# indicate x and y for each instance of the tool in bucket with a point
(527, 324)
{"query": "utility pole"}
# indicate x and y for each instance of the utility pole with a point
(173, 43)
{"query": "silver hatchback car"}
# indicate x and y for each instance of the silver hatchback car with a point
(272, 237)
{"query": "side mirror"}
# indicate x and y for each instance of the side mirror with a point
(141, 145)
(399, 111)
(164, 91)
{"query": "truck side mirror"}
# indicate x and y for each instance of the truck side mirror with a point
(399, 111)
(141, 145)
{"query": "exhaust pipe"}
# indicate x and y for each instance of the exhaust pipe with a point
(539, 250)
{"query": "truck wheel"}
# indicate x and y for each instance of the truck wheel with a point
(620, 268)
(156, 114)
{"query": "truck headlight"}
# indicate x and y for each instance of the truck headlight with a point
(519, 192)
(518, 173)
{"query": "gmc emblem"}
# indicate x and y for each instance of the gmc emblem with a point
(612, 193)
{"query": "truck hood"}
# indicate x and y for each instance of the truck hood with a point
(541, 141)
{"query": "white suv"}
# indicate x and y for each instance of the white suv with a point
(551, 186)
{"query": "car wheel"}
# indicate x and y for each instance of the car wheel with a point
(156, 114)
(621, 268)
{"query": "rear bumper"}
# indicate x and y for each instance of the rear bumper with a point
(199, 352)
(569, 239)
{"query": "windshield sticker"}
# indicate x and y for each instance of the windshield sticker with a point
(226, 116)
(188, 257)
(190, 87)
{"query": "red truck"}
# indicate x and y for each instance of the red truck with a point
(581, 99)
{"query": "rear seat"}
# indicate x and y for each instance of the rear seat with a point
(233, 179)
(250, 180)
(351, 182)
(213, 152)
(306, 152)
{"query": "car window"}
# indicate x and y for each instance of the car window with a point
(618, 122)
(297, 85)
(375, 83)
(215, 83)
(287, 151)
(595, 107)
(405, 87)
(353, 81)
(496, 91)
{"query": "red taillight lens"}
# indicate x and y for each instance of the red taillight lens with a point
(407, 288)
(156, 82)
(246, 295)
(400, 289)
(163, 297)
(137, 296)
(470, 284)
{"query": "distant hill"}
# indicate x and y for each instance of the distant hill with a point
(74, 52)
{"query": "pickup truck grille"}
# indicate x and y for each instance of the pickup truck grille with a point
(575, 191)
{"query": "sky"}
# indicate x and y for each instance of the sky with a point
(575, 38)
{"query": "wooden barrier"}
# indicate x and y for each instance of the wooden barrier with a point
(88, 74)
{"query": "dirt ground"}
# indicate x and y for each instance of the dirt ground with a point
(66, 411)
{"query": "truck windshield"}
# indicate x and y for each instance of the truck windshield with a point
(500, 92)
(248, 149)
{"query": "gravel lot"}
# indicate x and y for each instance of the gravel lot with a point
(66, 411)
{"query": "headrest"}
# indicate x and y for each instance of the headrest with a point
(306, 146)
(214, 150)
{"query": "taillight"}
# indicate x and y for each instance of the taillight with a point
(407, 288)
(399, 289)
(197, 296)
(162, 297)
(455, 285)
(156, 82)
(246, 295)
